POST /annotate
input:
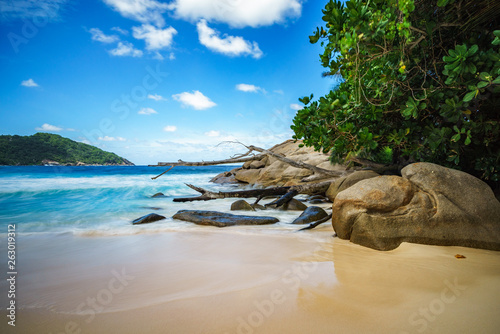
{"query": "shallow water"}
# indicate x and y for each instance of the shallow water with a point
(105, 200)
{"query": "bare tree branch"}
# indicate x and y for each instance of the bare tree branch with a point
(319, 172)
(313, 225)
(297, 164)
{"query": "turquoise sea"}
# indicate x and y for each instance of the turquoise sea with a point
(104, 200)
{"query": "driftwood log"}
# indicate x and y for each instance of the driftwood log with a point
(309, 189)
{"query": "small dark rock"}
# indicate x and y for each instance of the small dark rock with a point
(221, 219)
(152, 217)
(241, 205)
(151, 208)
(317, 201)
(293, 205)
(310, 215)
(158, 195)
(316, 197)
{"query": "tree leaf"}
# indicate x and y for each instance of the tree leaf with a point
(442, 3)
(482, 84)
(473, 49)
(469, 96)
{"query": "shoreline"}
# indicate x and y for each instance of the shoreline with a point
(226, 281)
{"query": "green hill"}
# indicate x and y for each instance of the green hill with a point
(41, 148)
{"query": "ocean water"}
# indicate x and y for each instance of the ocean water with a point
(104, 200)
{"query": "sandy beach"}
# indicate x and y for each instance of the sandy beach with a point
(238, 280)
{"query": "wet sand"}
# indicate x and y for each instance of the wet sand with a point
(242, 281)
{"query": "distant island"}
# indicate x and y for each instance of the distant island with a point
(51, 149)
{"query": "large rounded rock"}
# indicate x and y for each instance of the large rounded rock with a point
(241, 205)
(257, 164)
(221, 219)
(247, 175)
(310, 215)
(347, 181)
(152, 217)
(224, 177)
(429, 204)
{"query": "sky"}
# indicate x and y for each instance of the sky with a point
(157, 81)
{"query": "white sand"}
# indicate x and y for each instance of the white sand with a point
(232, 281)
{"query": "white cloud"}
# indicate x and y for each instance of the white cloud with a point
(212, 133)
(195, 99)
(155, 38)
(29, 83)
(125, 49)
(228, 45)
(296, 106)
(48, 127)
(170, 128)
(248, 88)
(85, 141)
(238, 13)
(279, 91)
(108, 138)
(19, 9)
(158, 56)
(98, 35)
(147, 111)
(156, 97)
(171, 56)
(145, 11)
(120, 30)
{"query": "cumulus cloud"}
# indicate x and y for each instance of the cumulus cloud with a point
(155, 38)
(196, 100)
(147, 111)
(248, 88)
(156, 97)
(98, 35)
(228, 45)
(120, 30)
(125, 49)
(145, 11)
(29, 83)
(296, 106)
(238, 13)
(48, 127)
(212, 133)
(108, 138)
(170, 128)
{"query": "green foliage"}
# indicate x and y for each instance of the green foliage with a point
(32, 150)
(422, 83)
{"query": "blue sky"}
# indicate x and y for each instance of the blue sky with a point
(158, 80)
